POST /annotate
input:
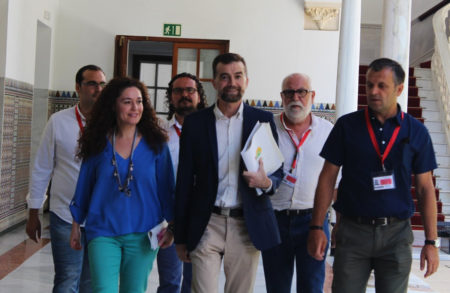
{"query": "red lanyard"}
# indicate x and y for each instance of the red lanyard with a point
(297, 146)
(80, 123)
(374, 141)
(177, 129)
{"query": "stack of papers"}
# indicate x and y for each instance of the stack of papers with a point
(261, 144)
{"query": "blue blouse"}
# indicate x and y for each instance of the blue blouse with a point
(109, 212)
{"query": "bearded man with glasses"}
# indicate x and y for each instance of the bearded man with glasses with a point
(184, 95)
(301, 136)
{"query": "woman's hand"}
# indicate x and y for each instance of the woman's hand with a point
(75, 236)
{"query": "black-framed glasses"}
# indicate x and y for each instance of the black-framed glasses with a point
(180, 90)
(92, 83)
(301, 92)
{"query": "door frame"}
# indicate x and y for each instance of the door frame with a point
(122, 42)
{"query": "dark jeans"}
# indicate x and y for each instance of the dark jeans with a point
(362, 248)
(71, 266)
(170, 269)
(279, 261)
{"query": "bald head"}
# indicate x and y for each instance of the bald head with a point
(296, 77)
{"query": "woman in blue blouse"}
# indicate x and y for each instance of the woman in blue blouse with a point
(125, 188)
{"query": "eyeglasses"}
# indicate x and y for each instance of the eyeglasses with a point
(92, 83)
(180, 90)
(290, 93)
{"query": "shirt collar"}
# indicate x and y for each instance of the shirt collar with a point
(313, 122)
(173, 121)
(220, 116)
(396, 119)
(81, 114)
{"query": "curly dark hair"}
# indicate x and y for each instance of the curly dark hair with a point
(201, 92)
(102, 120)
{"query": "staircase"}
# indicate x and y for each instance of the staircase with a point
(422, 105)
(431, 114)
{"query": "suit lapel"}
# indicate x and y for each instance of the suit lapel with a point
(212, 136)
(249, 123)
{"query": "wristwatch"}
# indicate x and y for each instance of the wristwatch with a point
(436, 243)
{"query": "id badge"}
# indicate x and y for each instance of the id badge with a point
(383, 180)
(290, 179)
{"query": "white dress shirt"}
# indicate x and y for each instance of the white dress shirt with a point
(309, 164)
(56, 160)
(229, 137)
(174, 141)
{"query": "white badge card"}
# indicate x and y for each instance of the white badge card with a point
(290, 179)
(383, 180)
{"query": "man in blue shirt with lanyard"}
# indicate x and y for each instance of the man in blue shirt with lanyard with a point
(379, 148)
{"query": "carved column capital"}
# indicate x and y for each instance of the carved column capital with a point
(321, 15)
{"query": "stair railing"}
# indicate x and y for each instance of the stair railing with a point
(441, 64)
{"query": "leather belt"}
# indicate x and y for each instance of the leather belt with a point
(294, 212)
(228, 212)
(384, 221)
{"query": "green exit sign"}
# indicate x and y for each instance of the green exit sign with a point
(172, 29)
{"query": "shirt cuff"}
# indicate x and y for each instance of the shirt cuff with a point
(35, 203)
(269, 188)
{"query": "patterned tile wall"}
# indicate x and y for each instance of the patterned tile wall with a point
(323, 110)
(60, 100)
(15, 147)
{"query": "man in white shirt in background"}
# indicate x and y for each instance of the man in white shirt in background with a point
(301, 136)
(56, 160)
(184, 95)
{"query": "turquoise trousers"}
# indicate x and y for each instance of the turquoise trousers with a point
(121, 262)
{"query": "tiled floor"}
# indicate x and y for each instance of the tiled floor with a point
(35, 273)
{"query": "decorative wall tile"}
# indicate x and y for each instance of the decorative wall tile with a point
(60, 100)
(323, 110)
(15, 147)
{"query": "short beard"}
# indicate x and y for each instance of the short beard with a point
(297, 116)
(231, 98)
(183, 111)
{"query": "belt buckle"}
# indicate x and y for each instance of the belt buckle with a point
(382, 221)
(225, 212)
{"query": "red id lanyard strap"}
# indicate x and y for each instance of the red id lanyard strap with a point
(80, 123)
(374, 140)
(297, 146)
(177, 130)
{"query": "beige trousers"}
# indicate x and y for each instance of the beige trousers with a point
(224, 238)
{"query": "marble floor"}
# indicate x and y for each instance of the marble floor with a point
(27, 267)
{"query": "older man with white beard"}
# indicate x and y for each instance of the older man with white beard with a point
(301, 137)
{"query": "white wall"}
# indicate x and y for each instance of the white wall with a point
(268, 34)
(422, 36)
(372, 10)
(3, 30)
(42, 56)
(21, 35)
(421, 6)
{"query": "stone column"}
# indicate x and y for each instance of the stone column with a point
(348, 62)
(395, 38)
